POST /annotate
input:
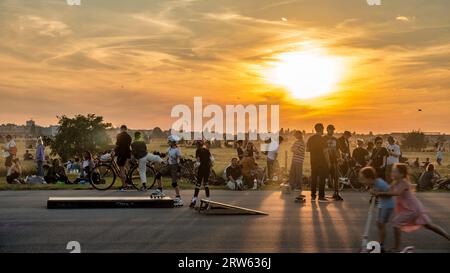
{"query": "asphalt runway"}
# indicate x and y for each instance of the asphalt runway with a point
(26, 225)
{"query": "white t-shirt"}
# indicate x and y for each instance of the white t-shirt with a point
(392, 159)
(8, 146)
(174, 155)
(273, 148)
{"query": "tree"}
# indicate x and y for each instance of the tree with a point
(415, 140)
(80, 134)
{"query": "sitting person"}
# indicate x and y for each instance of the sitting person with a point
(27, 156)
(14, 173)
(56, 173)
(234, 175)
(87, 165)
(427, 179)
(249, 170)
(76, 166)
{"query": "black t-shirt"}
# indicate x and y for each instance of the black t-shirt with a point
(205, 157)
(359, 155)
(316, 145)
(235, 172)
(332, 148)
(123, 142)
(377, 157)
(139, 149)
(344, 146)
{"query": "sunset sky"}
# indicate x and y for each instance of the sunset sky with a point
(363, 68)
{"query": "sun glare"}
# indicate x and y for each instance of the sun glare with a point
(305, 74)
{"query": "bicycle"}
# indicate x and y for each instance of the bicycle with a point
(104, 175)
(351, 179)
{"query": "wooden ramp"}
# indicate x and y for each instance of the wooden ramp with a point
(109, 202)
(217, 208)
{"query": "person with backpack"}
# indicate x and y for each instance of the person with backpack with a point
(140, 153)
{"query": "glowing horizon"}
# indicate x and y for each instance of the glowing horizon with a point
(363, 68)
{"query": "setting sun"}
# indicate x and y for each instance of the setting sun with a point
(305, 74)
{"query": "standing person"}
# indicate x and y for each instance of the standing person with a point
(174, 156)
(410, 213)
(123, 153)
(10, 152)
(368, 175)
(319, 170)
(272, 154)
(392, 158)
(204, 162)
(333, 156)
(378, 158)
(440, 153)
(40, 157)
(296, 171)
(360, 155)
(139, 152)
(370, 147)
(344, 149)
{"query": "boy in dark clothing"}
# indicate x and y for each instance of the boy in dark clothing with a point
(56, 173)
(378, 158)
(123, 153)
(319, 170)
(203, 156)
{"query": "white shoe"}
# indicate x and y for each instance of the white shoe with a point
(157, 192)
(177, 202)
(255, 186)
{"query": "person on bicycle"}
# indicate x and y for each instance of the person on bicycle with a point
(140, 153)
(123, 152)
(174, 156)
(204, 163)
(333, 156)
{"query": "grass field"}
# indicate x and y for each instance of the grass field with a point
(222, 158)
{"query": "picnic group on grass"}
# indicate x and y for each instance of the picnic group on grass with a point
(378, 165)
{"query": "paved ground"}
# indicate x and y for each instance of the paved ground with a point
(27, 226)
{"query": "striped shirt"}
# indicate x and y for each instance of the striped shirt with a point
(298, 150)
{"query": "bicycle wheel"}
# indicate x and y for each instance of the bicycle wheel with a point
(135, 177)
(102, 177)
